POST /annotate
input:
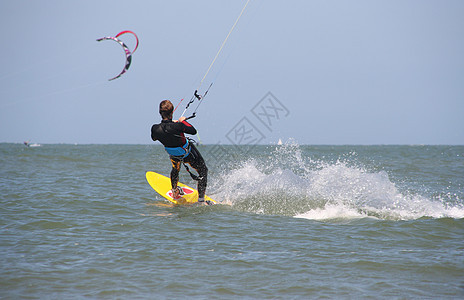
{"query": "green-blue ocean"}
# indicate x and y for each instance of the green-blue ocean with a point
(293, 222)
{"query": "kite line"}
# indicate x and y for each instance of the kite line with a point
(195, 94)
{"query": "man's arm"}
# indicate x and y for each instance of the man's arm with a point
(153, 133)
(187, 127)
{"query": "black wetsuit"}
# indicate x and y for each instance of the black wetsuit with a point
(171, 135)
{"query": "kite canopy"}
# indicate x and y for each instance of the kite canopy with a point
(136, 38)
(127, 51)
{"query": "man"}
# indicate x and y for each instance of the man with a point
(171, 134)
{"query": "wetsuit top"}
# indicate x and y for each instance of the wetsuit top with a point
(171, 135)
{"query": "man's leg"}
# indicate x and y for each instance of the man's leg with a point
(197, 162)
(175, 172)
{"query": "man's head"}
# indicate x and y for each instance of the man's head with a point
(166, 108)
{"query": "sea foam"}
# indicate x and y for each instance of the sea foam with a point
(288, 183)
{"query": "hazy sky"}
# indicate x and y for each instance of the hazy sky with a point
(338, 72)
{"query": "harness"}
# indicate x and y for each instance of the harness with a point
(179, 152)
(187, 149)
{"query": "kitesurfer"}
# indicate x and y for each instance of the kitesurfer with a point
(171, 134)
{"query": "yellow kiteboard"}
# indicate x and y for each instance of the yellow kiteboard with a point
(162, 185)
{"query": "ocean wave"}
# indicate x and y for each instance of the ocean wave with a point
(288, 183)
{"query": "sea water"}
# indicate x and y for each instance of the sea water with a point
(294, 221)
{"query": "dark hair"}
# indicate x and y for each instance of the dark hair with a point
(166, 109)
